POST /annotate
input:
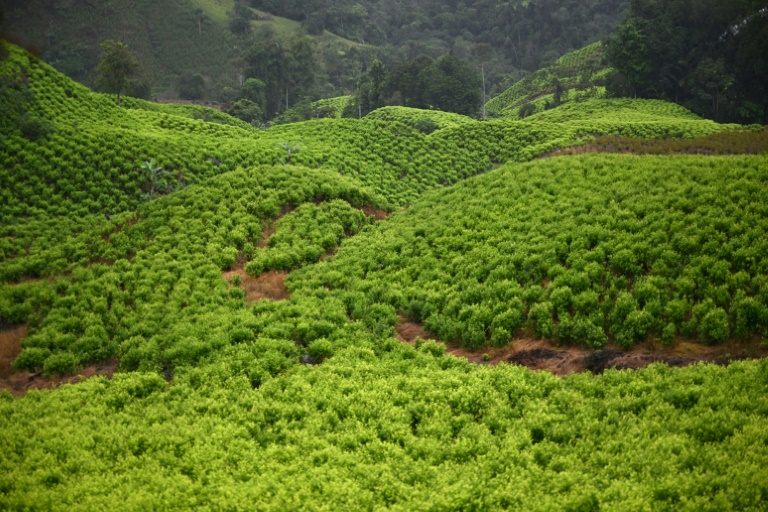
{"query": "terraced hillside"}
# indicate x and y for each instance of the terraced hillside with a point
(269, 316)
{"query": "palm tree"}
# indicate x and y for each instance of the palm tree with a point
(155, 174)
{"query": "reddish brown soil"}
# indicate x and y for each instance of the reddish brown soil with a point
(18, 383)
(10, 348)
(377, 214)
(26, 280)
(328, 254)
(269, 285)
(565, 360)
(21, 382)
(266, 233)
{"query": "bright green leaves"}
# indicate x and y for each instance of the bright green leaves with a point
(585, 250)
(306, 234)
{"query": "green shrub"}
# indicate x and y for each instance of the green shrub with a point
(540, 316)
(426, 125)
(320, 349)
(35, 128)
(713, 328)
(60, 363)
(31, 358)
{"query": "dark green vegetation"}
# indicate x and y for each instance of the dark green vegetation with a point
(216, 44)
(708, 55)
(119, 226)
(525, 33)
(447, 84)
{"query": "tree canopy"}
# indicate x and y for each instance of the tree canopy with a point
(448, 84)
(708, 55)
(116, 67)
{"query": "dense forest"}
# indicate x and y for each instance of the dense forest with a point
(320, 49)
(707, 55)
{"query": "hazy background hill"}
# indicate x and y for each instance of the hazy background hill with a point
(204, 49)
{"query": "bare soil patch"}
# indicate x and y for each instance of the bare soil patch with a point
(10, 348)
(269, 285)
(26, 280)
(19, 383)
(377, 214)
(566, 359)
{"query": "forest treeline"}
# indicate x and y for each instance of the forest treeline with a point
(195, 49)
(526, 32)
(707, 55)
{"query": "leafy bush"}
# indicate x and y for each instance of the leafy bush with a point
(34, 128)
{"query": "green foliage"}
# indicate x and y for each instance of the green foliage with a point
(581, 70)
(147, 285)
(247, 111)
(117, 66)
(371, 431)
(586, 250)
(305, 235)
(659, 53)
(34, 128)
(420, 119)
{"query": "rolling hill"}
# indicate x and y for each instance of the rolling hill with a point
(271, 319)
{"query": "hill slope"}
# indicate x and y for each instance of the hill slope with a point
(251, 314)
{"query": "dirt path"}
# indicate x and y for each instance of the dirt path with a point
(10, 348)
(565, 360)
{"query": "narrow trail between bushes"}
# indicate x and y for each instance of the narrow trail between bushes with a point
(271, 284)
(567, 359)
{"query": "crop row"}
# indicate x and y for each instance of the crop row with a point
(119, 287)
(586, 249)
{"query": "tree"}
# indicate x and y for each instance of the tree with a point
(199, 15)
(246, 110)
(191, 87)
(483, 53)
(452, 86)
(254, 90)
(116, 67)
(707, 55)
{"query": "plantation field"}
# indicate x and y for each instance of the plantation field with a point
(414, 116)
(249, 288)
(580, 70)
(580, 249)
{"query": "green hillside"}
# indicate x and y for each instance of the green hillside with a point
(582, 250)
(416, 118)
(579, 74)
(169, 38)
(221, 310)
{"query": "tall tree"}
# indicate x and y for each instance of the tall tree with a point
(708, 55)
(116, 67)
(483, 53)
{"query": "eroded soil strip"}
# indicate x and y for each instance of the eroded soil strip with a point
(18, 383)
(565, 360)
(10, 348)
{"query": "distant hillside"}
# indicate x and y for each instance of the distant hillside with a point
(168, 37)
(172, 38)
(578, 74)
(178, 39)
